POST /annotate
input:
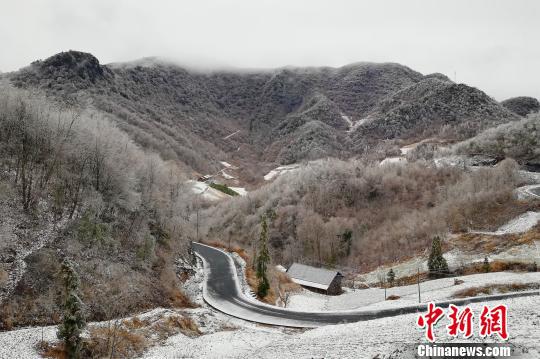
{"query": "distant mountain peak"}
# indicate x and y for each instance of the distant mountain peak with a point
(81, 69)
(438, 76)
(522, 105)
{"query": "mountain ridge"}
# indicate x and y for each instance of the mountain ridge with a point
(281, 116)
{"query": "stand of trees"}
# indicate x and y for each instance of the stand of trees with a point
(120, 211)
(362, 215)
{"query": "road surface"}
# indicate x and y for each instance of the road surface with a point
(222, 291)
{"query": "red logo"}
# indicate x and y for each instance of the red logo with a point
(492, 321)
(433, 315)
(460, 321)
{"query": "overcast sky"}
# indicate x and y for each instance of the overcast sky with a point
(490, 44)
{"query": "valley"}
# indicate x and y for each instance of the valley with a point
(179, 197)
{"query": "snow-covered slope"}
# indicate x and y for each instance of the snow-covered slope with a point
(381, 338)
(279, 171)
(375, 338)
(434, 290)
(206, 191)
(519, 224)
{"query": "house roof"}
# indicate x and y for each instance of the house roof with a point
(311, 276)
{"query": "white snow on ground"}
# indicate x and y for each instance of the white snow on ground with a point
(207, 192)
(353, 125)
(232, 134)
(240, 190)
(393, 160)
(225, 344)
(379, 338)
(226, 164)
(349, 122)
(227, 337)
(369, 339)
(21, 343)
(528, 192)
(279, 171)
(408, 148)
(24, 249)
(531, 177)
(449, 161)
(519, 224)
(226, 175)
(433, 290)
(455, 259)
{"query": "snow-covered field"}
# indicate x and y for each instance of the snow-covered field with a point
(206, 191)
(434, 290)
(227, 337)
(385, 337)
(240, 190)
(375, 338)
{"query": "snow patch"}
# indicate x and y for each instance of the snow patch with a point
(240, 190)
(373, 298)
(226, 175)
(393, 160)
(519, 224)
(353, 125)
(528, 192)
(280, 170)
(206, 191)
(378, 338)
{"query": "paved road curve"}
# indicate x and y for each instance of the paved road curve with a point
(222, 291)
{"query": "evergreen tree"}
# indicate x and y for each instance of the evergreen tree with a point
(391, 277)
(485, 266)
(263, 259)
(73, 322)
(436, 263)
(346, 241)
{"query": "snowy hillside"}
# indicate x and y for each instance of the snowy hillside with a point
(381, 338)
(434, 290)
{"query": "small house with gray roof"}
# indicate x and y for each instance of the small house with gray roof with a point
(317, 279)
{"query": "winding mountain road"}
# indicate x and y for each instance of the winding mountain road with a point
(222, 291)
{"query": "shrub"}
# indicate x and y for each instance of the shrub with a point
(91, 229)
(113, 341)
(224, 188)
(437, 265)
(494, 288)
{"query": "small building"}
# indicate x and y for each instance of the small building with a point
(204, 178)
(316, 279)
